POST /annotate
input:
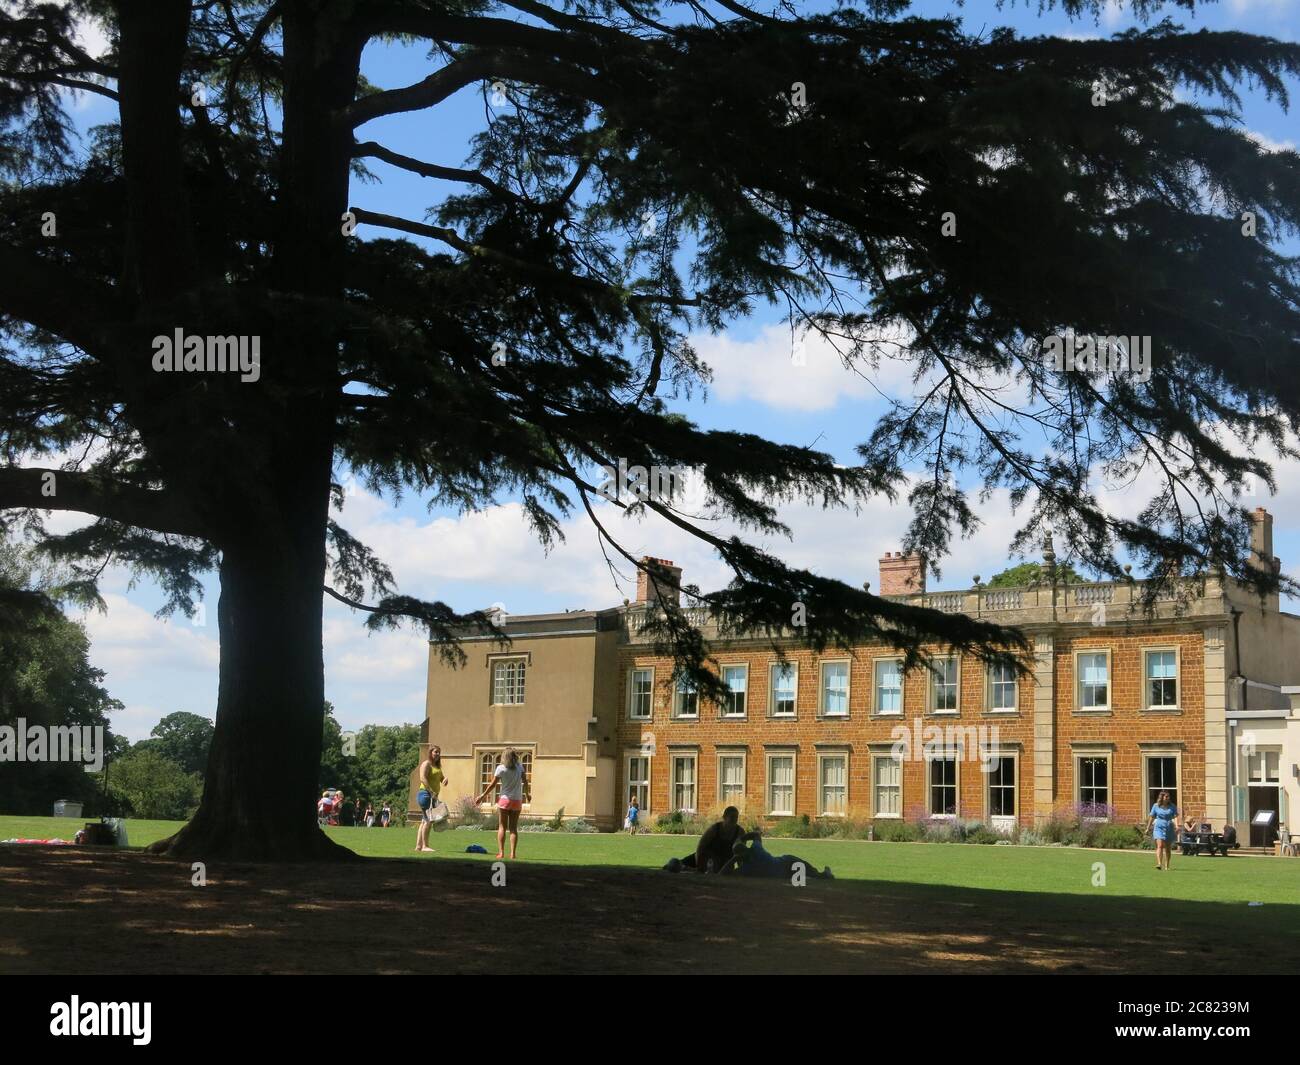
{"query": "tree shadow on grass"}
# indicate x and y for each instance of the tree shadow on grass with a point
(64, 911)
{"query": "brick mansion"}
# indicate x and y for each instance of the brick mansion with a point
(1198, 696)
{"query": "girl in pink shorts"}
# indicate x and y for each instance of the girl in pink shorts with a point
(509, 779)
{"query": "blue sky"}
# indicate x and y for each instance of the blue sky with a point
(156, 667)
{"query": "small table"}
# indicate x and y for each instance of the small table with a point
(1211, 843)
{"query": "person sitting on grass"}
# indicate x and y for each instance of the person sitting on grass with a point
(714, 849)
(755, 860)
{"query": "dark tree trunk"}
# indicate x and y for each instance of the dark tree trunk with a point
(264, 764)
(270, 513)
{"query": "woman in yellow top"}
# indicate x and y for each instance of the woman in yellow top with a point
(431, 781)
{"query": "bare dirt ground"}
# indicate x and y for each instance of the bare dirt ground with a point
(82, 911)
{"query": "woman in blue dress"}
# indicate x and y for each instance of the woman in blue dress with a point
(1163, 825)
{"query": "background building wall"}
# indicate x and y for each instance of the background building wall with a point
(759, 734)
(1127, 731)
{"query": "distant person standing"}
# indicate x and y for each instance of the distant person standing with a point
(431, 779)
(385, 815)
(510, 779)
(1161, 824)
(633, 815)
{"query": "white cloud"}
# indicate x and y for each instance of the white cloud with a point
(1112, 14)
(355, 655)
(135, 721)
(773, 370)
(1271, 7)
(1268, 143)
(128, 639)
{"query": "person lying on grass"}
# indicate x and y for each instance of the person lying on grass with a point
(756, 860)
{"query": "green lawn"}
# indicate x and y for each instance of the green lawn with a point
(1052, 870)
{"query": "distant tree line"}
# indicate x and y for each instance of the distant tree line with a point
(372, 764)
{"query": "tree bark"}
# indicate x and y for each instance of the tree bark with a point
(264, 764)
(269, 513)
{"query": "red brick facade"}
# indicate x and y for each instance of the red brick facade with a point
(1125, 736)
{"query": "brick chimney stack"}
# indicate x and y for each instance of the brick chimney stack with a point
(650, 590)
(1261, 551)
(902, 574)
(1261, 539)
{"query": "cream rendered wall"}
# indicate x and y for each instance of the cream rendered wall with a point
(1269, 646)
(571, 679)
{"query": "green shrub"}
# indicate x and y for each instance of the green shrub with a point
(678, 823)
(981, 834)
(1058, 828)
(1085, 834)
(805, 827)
(942, 830)
(673, 824)
(556, 823)
(467, 812)
(891, 831)
(1118, 837)
(792, 827)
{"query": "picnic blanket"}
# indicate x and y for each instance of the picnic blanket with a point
(42, 842)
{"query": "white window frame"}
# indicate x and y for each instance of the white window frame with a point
(794, 784)
(679, 695)
(632, 693)
(822, 758)
(1003, 820)
(674, 759)
(1147, 704)
(1078, 680)
(504, 662)
(772, 711)
(876, 786)
(930, 760)
(991, 685)
(1262, 753)
(932, 687)
(1108, 757)
(875, 687)
(1150, 793)
(821, 687)
(649, 777)
(724, 754)
(725, 710)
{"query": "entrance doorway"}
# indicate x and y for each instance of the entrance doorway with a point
(1263, 782)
